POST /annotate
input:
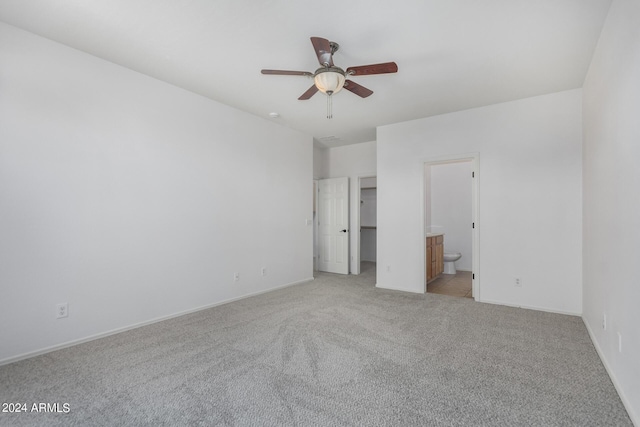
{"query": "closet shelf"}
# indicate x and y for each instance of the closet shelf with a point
(368, 227)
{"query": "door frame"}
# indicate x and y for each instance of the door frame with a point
(475, 208)
(316, 189)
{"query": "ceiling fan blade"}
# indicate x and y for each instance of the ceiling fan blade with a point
(359, 90)
(384, 68)
(323, 51)
(287, 73)
(309, 93)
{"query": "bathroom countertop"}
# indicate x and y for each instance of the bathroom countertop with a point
(434, 234)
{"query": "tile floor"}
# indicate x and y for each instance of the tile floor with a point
(456, 285)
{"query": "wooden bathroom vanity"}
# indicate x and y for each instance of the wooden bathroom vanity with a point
(435, 256)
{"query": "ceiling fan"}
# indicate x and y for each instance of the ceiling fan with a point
(330, 79)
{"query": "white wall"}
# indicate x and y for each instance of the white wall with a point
(133, 200)
(451, 207)
(611, 180)
(320, 171)
(530, 198)
(368, 209)
(320, 162)
(353, 161)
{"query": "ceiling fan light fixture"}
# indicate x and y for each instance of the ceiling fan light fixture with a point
(329, 80)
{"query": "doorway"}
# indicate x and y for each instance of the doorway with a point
(367, 216)
(450, 216)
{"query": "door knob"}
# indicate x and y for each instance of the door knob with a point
(343, 231)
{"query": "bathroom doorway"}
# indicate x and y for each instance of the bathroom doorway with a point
(451, 226)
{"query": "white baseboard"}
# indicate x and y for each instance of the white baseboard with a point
(413, 291)
(635, 419)
(531, 307)
(141, 324)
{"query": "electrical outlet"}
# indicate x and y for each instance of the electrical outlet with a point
(604, 321)
(264, 271)
(236, 277)
(62, 310)
(517, 282)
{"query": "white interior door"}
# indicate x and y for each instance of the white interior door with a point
(333, 225)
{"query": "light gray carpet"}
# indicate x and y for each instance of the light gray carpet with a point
(335, 351)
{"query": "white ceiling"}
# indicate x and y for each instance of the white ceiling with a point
(451, 54)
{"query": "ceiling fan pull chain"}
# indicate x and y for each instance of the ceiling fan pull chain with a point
(329, 106)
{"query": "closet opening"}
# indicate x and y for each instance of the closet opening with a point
(367, 237)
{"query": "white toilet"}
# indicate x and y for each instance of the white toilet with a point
(449, 262)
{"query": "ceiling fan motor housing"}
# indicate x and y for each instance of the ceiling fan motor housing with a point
(334, 47)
